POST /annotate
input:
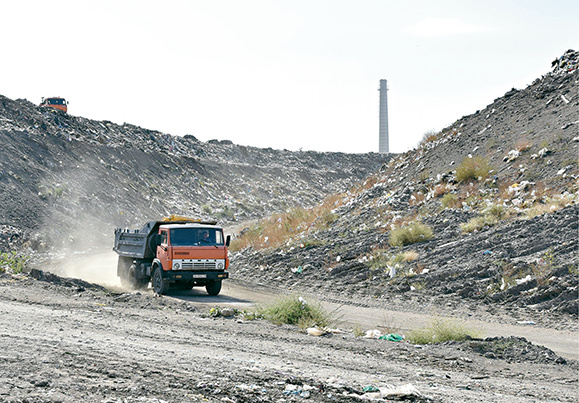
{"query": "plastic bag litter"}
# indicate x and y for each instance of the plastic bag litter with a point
(373, 334)
(391, 337)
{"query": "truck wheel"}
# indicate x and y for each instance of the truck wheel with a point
(159, 286)
(123, 268)
(213, 287)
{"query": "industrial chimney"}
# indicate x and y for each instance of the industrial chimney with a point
(383, 132)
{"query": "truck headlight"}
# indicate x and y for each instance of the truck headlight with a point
(176, 266)
(220, 265)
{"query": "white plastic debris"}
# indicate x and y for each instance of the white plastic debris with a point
(524, 280)
(314, 331)
(373, 334)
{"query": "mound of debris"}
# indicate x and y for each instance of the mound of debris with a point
(77, 284)
(512, 349)
(483, 211)
(72, 179)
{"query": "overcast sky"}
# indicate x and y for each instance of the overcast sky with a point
(293, 74)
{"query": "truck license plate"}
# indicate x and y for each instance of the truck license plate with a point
(199, 275)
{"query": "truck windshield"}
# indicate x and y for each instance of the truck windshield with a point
(196, 236)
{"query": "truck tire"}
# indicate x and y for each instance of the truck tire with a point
(128, 274)
(159, 286)
(123, 271)
(213, 287)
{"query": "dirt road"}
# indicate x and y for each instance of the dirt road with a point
(101, 269)
(65, 340)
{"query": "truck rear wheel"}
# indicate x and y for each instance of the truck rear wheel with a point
(213, 287)
(128, 274)
(159, 286)
(123, 268)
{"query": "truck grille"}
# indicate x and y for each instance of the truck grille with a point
(198, 265)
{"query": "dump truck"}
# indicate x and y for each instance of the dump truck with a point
(55, 102)
(173, 253)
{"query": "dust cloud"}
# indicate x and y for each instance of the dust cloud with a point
(99, 268)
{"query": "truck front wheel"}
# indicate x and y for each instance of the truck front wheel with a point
(213, 287)
(159, 286)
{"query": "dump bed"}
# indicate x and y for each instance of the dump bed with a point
(138, 244)
(142, 244)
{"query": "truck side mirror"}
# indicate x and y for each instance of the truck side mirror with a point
(227, 240)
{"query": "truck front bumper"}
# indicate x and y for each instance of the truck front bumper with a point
(198, 276)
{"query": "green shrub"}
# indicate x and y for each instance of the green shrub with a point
(497, 211)
(477, 223)
(490, 217)
(441, 330)
(294, 310)
(409, 234)
(13, 262)
(449, 200)
(475, 168)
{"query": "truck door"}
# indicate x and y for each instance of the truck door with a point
(163, 251)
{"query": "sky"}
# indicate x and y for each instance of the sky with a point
(285, 74)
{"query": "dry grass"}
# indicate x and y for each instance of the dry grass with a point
(473, 169)
(491, 216)
(294, 310)
(523, 145)
(441, 189)
(368, 183)
(428, 137)
(412, 233)
(441, 330)
(272, 232)
(450, 200)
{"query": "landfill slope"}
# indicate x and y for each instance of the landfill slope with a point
(66, 181)
(504, 243)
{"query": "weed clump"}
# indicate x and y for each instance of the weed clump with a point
(473, 169)
(274, 231)
(450, 200)
(12, 262)
(410, 234)
(294, 310)
(490, 217)
(441, 330)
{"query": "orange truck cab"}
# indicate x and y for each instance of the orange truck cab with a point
(55, 102)
(177, 254)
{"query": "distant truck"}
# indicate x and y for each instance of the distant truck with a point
(177, 252)
(55, 102)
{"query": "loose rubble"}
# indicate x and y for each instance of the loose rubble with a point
(59, 170)
(508, 239)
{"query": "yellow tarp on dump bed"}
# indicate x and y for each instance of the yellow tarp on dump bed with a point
(180, 218)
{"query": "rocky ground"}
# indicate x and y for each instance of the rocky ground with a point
(521, 251)
(66, 180)
(66, 340)
(502, 248)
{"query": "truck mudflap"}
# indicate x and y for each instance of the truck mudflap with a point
(173, 275)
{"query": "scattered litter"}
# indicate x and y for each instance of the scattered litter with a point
(391, 337)
(373, 334)
(524, 280)
(315, 331)
(526, 322)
